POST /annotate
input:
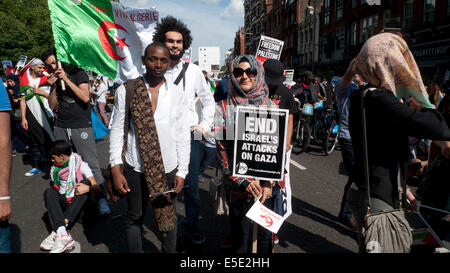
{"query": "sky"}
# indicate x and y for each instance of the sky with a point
(212, 22)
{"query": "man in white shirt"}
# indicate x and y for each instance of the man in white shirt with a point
(101, 100)
(177, 37)
(167, 103)
(37, 117)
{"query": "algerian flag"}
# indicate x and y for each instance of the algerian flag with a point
(100, 36)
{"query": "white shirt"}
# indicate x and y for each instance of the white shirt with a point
(101, 92)
(34, 82)
(171, 125)
(195, 84)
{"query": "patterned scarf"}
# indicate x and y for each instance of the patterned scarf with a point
(258, 95)
(69, 171)
(385, 61)
(151, 157)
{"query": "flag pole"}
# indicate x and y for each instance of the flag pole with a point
(255, 234)
(63, 84)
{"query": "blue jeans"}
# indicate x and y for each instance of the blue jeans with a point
(348, 159)
(191, 193)
(277, 200)
(5, 238)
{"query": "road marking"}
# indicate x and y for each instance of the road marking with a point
(298, 165)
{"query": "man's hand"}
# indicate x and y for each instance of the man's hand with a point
(119, 181)
(198, 128)
(81, 189)
(52, 79)
(178, 184)
(5, 210)
(61, 74)
(25, 124)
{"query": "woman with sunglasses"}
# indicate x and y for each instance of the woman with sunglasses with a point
(247, 88)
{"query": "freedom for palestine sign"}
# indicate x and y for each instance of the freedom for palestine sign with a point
(259, 146)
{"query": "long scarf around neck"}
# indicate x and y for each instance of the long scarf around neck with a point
(69, 171)
(151, 157)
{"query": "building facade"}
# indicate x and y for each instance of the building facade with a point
(345, 25)
(209, 58)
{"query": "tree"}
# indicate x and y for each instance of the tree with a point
(25, 29)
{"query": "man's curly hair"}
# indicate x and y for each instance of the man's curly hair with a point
(170, 23)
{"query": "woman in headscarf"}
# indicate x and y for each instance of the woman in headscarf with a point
(20, 137)
(247, 88)
(386, 63)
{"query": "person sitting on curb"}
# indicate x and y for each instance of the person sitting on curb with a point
(71, 183)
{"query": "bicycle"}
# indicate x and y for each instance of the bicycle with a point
(302, 134)
(330, 141)
(318, 124)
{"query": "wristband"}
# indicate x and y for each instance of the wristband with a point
(4, 198)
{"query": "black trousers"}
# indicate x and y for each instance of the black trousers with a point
(138, 200)
(59, 210)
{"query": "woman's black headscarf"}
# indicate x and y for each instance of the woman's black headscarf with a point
(16, 87)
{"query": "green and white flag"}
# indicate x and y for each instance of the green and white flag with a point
(102, 36)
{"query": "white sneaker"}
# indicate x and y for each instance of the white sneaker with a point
(103, 207)
(33, 172)
(48, 242)
(62, 242)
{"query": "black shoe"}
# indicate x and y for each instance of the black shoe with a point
(194, 234)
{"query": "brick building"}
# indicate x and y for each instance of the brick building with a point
(346, 24)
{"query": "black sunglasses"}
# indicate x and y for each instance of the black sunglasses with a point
(251, 72)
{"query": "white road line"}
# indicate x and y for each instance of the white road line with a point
(298, 165)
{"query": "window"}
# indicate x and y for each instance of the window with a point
(326, 14)
(339, 10)
(429, 11)
(353, 36)
(448, 7)
(368, 27)
(407, 13)
(340, 36)
(354, 3)
(372, 25)
(363, 30)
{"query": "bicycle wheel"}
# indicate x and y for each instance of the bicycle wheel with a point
(318, 131)
(330, 142)
(302, 137)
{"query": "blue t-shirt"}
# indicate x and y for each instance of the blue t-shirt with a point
(5, 105)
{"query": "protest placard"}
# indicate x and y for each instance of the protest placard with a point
(260, 137)
(269, 48)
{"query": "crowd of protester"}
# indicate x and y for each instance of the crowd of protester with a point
(164, 128)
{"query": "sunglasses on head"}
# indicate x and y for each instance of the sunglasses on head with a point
(251, 72)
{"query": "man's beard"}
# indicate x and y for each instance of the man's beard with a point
(176, 57)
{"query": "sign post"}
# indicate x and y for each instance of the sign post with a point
(269, 48)
(259, 153)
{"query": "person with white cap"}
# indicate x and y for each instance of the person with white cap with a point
(37, 117)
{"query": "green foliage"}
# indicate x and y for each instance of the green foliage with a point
(25, 29)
